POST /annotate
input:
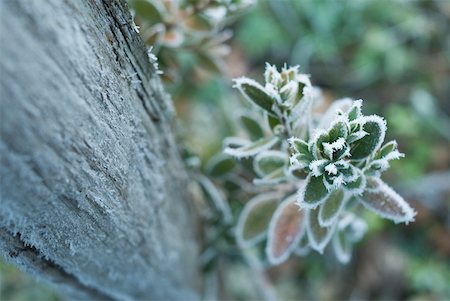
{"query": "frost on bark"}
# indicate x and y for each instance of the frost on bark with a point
(93, 192)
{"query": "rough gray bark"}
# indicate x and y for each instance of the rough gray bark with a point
(93, 192)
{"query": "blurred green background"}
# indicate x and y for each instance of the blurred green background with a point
(394, 54)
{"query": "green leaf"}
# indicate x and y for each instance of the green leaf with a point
(252, 126)
(269, 161)
(303, 247)
(217, 198)
(255, 217)
(298, 172)
(254, 92)
(289, 94)
(147, 10)
(313, 193)
(272, 121)
(301, 155)
(198, 22)
(331, 208)
(252, 148)
(232, 184)
(353, 137)
(386, 149)
(274, 177)
(342, 247)
(210, 63)
(220, 165)
(235, 142)
(357, 186)
(383, 200)
(285, 230)
(355, 111)
(338, 130)
(298, 145)
(318, 236)
(369, 144)
(350, 229)
(296, 96)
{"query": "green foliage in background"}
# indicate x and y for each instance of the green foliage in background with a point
(368, 42)
(16, 286)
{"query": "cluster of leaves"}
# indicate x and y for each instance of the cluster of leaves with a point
(193, 27)
(311, 170)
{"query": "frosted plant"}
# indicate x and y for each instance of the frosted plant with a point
(311, 170)
(191, 27)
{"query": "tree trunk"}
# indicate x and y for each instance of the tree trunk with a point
(93, 192)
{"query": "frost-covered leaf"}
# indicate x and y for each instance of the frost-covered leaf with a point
(350, 229)
(384, 201)
(303, 247)
(255, 93)
(298, 145)
(376, 167)
(254, 220)
(357, 184)
(348, 171)
(386, 149)
(342, 247)
(235, 142)
(332, 144)
(297, 172)
(317, 141)
(355, 111)
(317, 167)
(272, 121)
(331, 208)
(318, 236)
(252, 126)
(252, 148)
(285, 231)
(218, 199)
(269, 161)
(388, 152)
(333, 182)
(301, 161)
(356, 136)
(336, 149)
(382, 157)
(338, 130)
(289, 93)
(220, 165)
(330, 115)
(313, 193)
(275, 177)
(301, 112)
(375, 126)
(354, 227)
(302, 78)
(301, 154)
(271, 75)
(272, 91)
